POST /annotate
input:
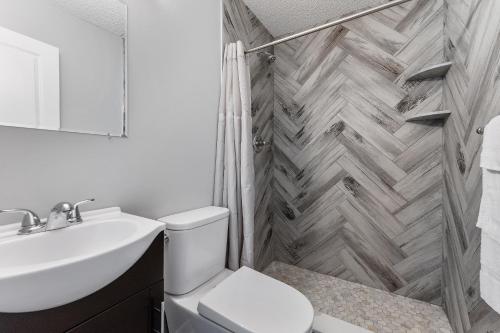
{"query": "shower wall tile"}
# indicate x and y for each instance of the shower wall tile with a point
(241, 24)
(357, 190)
(472, 93)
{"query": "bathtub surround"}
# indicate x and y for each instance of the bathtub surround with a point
(241, 24)
(472, 93)
(360, 194)
(357, 190)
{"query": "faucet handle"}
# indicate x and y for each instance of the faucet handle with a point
(76, 216)
(31, 222)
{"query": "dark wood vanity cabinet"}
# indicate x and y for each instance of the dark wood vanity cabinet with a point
(129, 304)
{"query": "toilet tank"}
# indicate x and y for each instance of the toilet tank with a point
(195, 249)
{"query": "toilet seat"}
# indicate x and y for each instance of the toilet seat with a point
(251, 302)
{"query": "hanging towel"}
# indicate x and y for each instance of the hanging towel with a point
(489, 212)
(490, 156)
(490, 289)
(489, 216)
(490, 271)
(489, 254)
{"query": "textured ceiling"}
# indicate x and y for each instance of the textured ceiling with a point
(107, 14)
(282, 17)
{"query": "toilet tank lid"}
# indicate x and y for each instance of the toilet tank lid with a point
(195, 218)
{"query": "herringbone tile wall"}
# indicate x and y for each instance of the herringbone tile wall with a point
(472, 92)
(357, 190)
(241, 24)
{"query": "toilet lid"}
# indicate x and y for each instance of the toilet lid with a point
(251, 302)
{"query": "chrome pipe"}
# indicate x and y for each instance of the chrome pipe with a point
(329, 25)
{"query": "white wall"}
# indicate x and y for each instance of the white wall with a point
(167, 164)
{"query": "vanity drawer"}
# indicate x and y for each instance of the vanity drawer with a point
(134, 315)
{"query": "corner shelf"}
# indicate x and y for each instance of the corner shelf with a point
(438, 115)
(432, 72)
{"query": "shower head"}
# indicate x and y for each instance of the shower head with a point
(267, 56)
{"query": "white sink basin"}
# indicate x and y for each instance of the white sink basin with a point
(54, 268)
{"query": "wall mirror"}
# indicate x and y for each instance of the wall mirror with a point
(63, 65)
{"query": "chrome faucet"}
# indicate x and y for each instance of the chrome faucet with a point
(65, 214)
(31, 223)
(59, 216)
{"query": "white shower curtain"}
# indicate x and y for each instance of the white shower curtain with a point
(234, 174)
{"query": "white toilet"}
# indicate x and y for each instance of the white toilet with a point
(204, 297)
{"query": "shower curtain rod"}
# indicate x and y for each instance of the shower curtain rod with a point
(328, 25)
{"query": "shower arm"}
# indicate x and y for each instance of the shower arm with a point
(328, 25)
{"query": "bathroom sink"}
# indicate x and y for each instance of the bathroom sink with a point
(54, 268)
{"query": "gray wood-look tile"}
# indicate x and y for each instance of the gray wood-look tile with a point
(357, 190)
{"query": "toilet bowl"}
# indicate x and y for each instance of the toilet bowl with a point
(204, 297)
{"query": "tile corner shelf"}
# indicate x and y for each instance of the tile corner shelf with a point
(431, 72)
(443, 115)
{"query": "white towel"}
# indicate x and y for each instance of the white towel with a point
(489, 212)
(490, 248)
(490, 272)
(490, 155)
(489, 216)
(490, 289)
